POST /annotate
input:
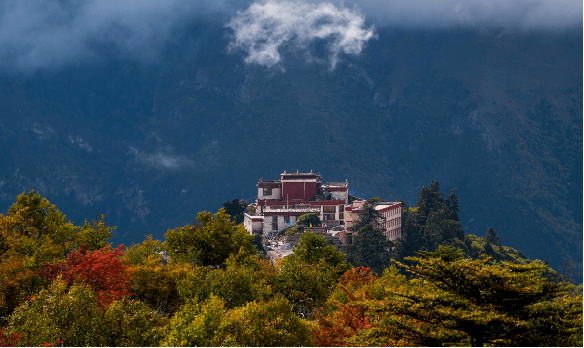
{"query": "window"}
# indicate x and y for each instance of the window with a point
(329, 216)
(274, 223)
(329, 208)
(287, 219)
(267, 191)
(341, 216)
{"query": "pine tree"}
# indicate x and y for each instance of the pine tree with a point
(492, 237)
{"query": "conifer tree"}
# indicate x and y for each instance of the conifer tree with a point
(492, 237)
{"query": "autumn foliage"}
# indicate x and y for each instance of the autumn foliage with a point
(103, 270)
(348, 316)
(206, 285)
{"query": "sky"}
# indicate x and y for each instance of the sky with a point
(40, 34)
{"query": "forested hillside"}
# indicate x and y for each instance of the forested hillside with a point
(206, 284)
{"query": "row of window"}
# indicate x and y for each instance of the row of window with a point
(326, 208)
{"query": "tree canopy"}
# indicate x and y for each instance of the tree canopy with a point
(62, 284)
(209, 242)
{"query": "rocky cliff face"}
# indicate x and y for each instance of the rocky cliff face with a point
(496, 115)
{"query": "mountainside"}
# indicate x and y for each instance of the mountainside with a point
(495, 114)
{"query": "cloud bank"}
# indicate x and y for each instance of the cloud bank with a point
(517, 14)
(52, 33)
(161, 160)
(267, 26)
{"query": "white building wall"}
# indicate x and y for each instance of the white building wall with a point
(276, 193)
(252, 224)
(267, 228)
(339, 195)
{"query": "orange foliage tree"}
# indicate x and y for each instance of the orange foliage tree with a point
(103, 270)
(347, 313)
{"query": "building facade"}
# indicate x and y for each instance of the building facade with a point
(279, 203)
(390, 217)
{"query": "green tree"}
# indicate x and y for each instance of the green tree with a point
(38, 218)
(492, 237)
(94, 235)
(243, 279)
(74, 317)
(370, 248)
(210, 242)
(312, 249)
(308, 220)
(235, 209)
(432, 222)
(260, 324)
(149, 249)
(369, 216)
(71, 316)
(454, 301)
(265, 324)
(157, 284)
(197, 324)
(308, 276)
(130, 323)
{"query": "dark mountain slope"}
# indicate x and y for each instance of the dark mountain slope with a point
(496, 115)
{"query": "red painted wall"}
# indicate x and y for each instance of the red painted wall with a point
(298, 190)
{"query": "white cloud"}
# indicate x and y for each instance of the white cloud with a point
(52, 33)
(267, 26)
(161, 159)
(518, 14)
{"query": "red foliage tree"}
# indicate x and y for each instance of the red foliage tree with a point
(9, 340)
(335, 329)
(103, 270)
(13, 340)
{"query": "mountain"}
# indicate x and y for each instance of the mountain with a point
(496, 114)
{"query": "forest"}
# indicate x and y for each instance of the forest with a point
(209, 284)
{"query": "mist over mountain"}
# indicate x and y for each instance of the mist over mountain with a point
(174, 117)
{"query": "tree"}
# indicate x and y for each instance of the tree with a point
(55, 313)
(492, 237)
(235, 209)
(244, 278)
(157, 284)
(94, 235)
(130, 323)
(370, 248)
(265, 324)
(369, 216)
(210, 242)
(103, 270)
(312, 249)
(308, 220)
(453, 301)
(308, 276)
(17, 282)
(197, 324)
(138, 254)
(38, 218)
(9, 340)
(259, 324)
(75, 317)
(432, 222)
(456, 301)
(342, 317)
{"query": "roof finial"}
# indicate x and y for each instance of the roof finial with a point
(311, 171)
(297, 171)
